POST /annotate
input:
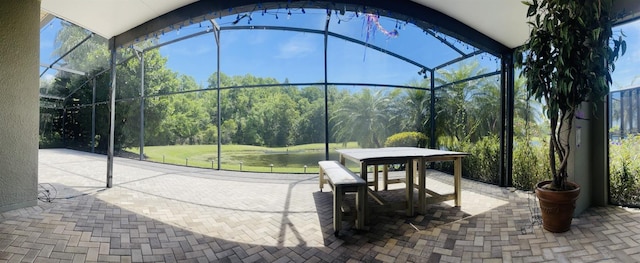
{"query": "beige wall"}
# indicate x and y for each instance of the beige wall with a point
(19, 60)
(578, 168)
(588, 162)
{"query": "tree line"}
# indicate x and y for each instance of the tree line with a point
(259, 111)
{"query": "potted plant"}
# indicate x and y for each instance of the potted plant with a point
(567, 61)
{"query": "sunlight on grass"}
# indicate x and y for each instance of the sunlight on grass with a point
(291, 159)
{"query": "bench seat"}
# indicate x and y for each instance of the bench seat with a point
(342, 181)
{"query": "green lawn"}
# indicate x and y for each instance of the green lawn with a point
(290, 159)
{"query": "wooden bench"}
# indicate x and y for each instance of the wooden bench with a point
(343, 181)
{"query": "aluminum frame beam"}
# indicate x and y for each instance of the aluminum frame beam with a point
(66, 53)
(418, 14)
(78, 72)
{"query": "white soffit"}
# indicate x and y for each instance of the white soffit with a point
(109, 18)
(502, 20)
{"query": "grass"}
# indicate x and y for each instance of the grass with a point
(235, 157)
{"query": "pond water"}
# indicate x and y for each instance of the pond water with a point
(291, 159)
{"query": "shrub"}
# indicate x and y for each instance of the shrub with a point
(624, 171)
(407, 139)
(529, 164)
(483, 162)
(53, 140)
(450, 143)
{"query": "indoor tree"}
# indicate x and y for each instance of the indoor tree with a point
(568, 60)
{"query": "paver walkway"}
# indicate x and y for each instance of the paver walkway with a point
(166, 213)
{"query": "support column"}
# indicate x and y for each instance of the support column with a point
(326, 91)
(142, 106)
(610, 110)
(622, 99)
(217, 35)
(580, 159)
(64, 124)
(599, 156)
(510, 86)
(112, 113)
(93, 114)
(432, 112)
(19, 56)
(637, 111)
(588, 161)
(507, 98)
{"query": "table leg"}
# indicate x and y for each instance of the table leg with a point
(409, 188)
(375, 177)
(385, 176)
(457, 178)
(363, 175)
(422, 174)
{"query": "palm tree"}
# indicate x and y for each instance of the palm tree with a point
(485, 109)
(414, 108)
(453, 105)
(364, 118)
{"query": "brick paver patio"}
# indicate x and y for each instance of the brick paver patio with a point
(166, 213)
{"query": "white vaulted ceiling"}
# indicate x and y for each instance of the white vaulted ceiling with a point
(501, 20)
(109, 18)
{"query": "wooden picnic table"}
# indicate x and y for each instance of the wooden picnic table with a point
(415, 159)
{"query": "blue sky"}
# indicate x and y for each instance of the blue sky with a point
(627, 73)
(299, 57)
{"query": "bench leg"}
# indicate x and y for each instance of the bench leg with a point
(321, 179)
(361, 199)
(337, 209)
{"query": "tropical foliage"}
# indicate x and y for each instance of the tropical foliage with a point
(529, 164)
(407, 139)
(568, 60)
(624, 171)
(260, 111)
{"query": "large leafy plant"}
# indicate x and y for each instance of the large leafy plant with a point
(568, 60)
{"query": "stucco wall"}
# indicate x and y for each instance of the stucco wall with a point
(588, 163)
(19, 60)
(578, 168)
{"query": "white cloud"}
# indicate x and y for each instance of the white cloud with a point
(296, 47)
(48, 78)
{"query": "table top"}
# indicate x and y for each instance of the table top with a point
(371, 154)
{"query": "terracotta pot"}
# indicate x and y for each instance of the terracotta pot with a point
(556, 207)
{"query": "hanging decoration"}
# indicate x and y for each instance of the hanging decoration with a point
(371, 25)
(372, 22)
